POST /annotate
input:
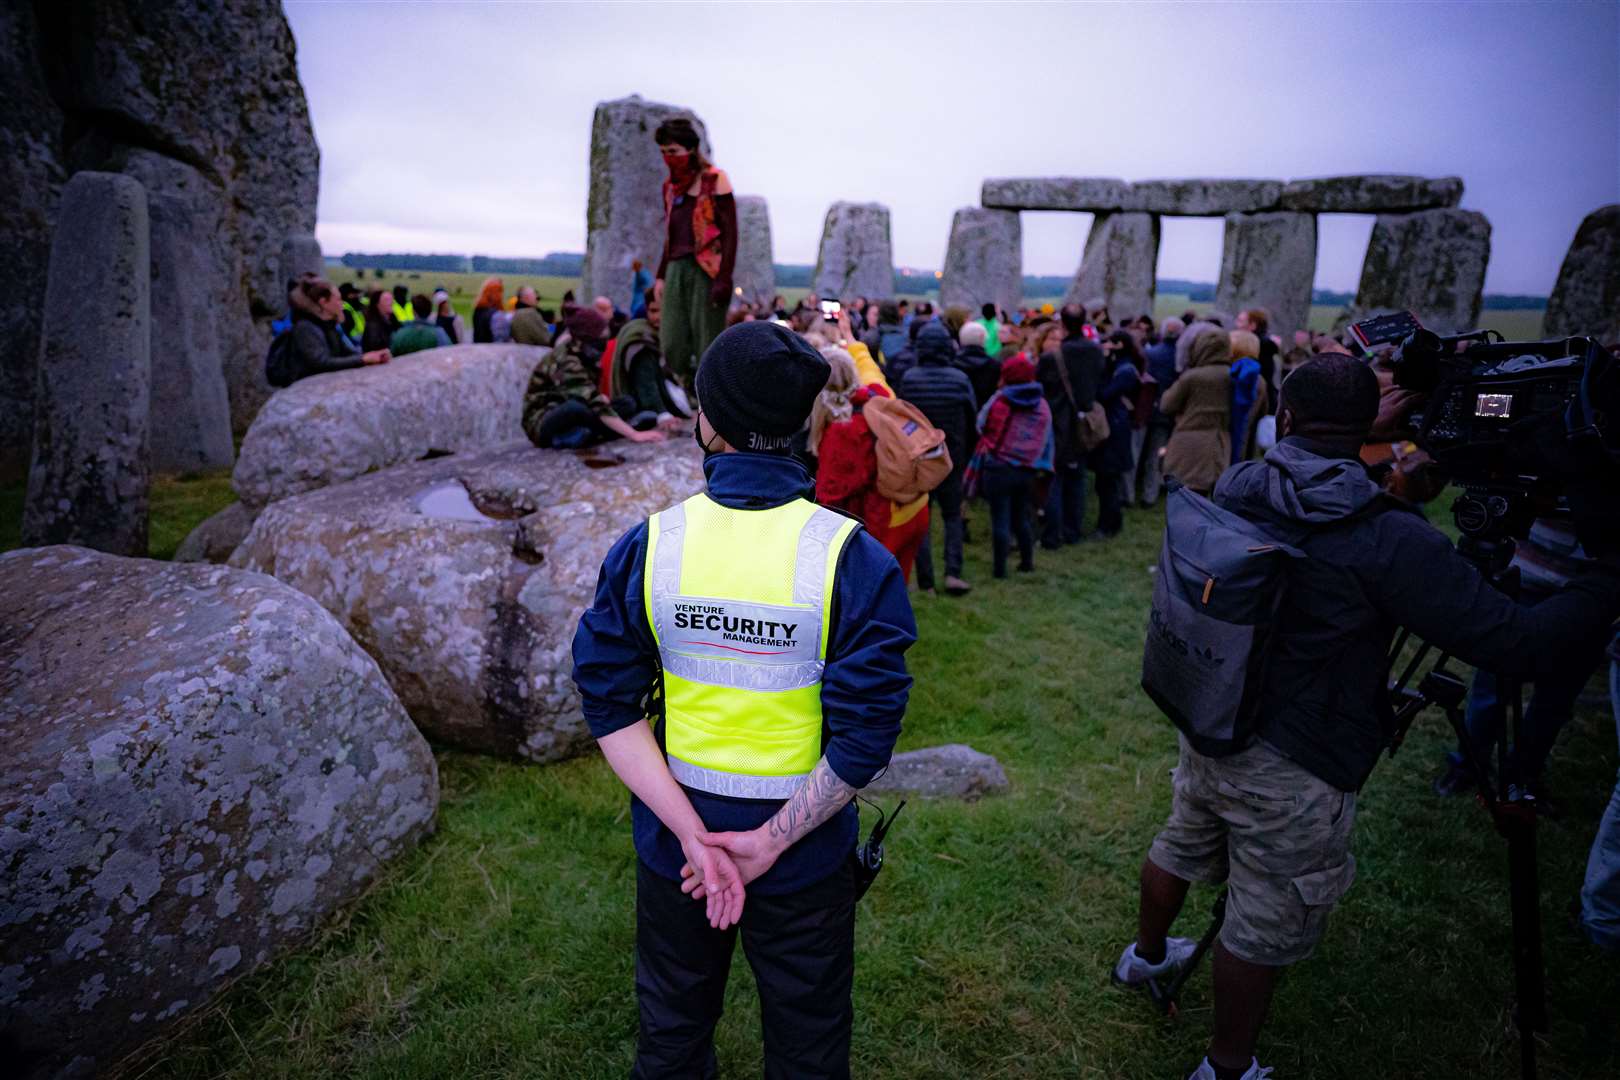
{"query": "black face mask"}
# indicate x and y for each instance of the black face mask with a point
(697, 437)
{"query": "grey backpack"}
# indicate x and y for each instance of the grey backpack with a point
(1219, 586)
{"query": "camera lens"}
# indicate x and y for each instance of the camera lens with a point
(1471, 513)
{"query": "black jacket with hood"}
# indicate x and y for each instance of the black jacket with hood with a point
(1375, 564)
(942, 392)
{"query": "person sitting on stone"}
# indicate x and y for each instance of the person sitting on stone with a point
(642, 384)
(421, 332)
(379, 321)
(563, 407)
(318, 342)
(528, 325)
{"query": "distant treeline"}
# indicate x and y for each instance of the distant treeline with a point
(557, 264)
(798, 275)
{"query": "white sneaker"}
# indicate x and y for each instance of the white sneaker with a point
(1132, 970)
(1255, 1071)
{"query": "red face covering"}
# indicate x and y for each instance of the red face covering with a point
(682, 166)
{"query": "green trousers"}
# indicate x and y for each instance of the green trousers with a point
(690, 319)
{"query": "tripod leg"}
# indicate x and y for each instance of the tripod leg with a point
(1516, 820)
(1166, 997)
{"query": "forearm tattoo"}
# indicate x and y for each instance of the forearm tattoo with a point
(820, 797)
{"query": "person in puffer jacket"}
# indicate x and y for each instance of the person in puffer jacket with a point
(944, 395)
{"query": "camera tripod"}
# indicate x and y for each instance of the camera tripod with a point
(1512, 809)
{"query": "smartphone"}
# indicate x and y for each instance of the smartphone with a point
(830, 310)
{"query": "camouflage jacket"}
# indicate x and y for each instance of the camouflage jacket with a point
(568, 371)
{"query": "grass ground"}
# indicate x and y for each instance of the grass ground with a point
(179, 504)
(503, 946)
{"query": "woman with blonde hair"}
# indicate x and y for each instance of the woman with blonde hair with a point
(846, 454)
(489, 301)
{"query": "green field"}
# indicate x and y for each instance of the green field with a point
(503, 946)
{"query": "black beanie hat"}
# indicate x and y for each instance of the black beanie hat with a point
(757, 384)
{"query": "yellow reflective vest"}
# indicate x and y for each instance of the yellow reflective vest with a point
(739, 603)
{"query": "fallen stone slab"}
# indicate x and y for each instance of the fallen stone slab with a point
(1119, 265)
(198, 766)
(217, 536)
(1269, 261)
(755, 273)
(1087, 194)
(465, 576)
(1371, 194)
(624, 214)
(334, 427)
(1586, 299)
(856, 257)
(952, 771)
(90, 474)
(1431, 263)
(984, 260)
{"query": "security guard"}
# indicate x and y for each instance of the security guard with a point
(776, 631)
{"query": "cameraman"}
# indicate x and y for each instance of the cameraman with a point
(1274, 820)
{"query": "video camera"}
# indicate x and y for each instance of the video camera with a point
(1525, 428)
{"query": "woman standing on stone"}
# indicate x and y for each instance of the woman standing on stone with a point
(700, 248)
(484, 309)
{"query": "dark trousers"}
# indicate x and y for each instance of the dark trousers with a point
(1110, 493)
(802, 949)
(948, 497)
(1011, 494)
(1065, 507)
(1551, 704)
(573, 424)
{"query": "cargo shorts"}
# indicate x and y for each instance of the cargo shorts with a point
(1277, 835)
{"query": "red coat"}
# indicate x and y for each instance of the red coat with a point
(846, 479)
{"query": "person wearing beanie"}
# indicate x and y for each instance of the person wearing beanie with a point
(1015, 447)
(774, 633)
(564, 407)
(942, 392)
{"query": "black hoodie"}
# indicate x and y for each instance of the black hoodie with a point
(1375, 565)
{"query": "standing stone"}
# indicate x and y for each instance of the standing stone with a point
(198, 767)
(1432, 263)
(1586, 299)
(31, 176)
(1269, 261)
(1119, 265)
(755, 274)
(624, 219)
(190, 276)
(88, 480)
(855, 257)
(984, 261)
(301, 254)
(208, 85)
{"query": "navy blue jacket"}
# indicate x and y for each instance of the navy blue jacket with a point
(1118, 399)
(863, 689)
(1161, 364)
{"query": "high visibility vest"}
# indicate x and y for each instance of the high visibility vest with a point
(359, 318)
(739, 602)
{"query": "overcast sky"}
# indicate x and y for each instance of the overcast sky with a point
(465, 127)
